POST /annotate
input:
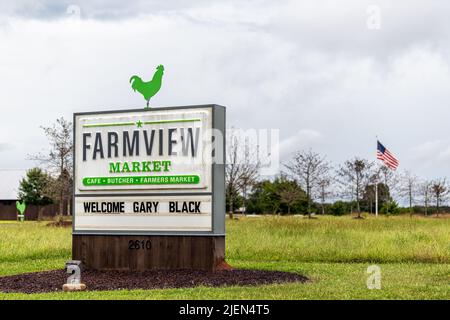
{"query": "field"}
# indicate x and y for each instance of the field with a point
(334, 252)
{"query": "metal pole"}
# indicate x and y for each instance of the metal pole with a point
(376, 198)
(376, 186)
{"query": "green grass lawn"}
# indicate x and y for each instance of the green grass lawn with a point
(334, 252)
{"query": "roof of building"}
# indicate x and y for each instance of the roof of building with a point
(9, 183)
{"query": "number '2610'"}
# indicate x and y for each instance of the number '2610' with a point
(139, 245)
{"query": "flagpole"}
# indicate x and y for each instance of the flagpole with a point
(376, 188)
(376, 198)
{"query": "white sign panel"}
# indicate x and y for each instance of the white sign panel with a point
(143, 213)
(138, 171)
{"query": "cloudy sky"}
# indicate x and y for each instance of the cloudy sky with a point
(325, 73)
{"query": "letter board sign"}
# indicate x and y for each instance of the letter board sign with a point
(156, 171)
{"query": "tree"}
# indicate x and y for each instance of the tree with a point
(324, 185)
(425, 193)
(308, 168)
(58, 160)
(290, 193)
(264, 198)
(355, 174)
(241, 172)
(368, 198)
(409, 188)
(390, 180)
(339, 208)
(237, 200)
(439, 190)
(390, 207)
(249, 176)
(277, 197)
(32, 189)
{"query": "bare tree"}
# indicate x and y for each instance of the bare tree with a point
(241, 170)
(439, 190)
(58, 160)
(425, 193)
(250, 173)
(232, 172)
(409, 188)
(390, 180)
(374, 192)
(355, 175)
(324, 185)
(308, 168)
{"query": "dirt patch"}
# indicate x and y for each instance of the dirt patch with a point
(51, 281)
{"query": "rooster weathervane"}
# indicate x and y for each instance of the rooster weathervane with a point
(150, 88)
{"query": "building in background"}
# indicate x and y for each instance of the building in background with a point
(9, 194)
(9, 189)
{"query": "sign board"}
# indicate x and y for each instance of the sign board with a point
(150, 172)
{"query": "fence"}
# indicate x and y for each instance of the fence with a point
(8, 211)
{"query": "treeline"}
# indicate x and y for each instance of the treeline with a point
(310, 184)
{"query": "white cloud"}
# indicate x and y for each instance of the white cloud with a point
(314, 71)
(5, 146)
(302, 139)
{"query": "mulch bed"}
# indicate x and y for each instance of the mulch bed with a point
(51, 281)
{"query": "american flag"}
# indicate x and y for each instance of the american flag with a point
(388, 158)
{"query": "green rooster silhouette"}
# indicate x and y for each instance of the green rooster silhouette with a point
(148, 89)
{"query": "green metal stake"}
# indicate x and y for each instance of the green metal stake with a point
(21, 206)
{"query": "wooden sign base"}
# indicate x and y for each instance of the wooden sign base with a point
(140, 253)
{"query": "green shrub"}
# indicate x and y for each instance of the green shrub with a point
(390, 208)
(338, 208)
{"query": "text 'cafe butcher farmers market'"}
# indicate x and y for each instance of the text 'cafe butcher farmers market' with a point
(145, 180)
